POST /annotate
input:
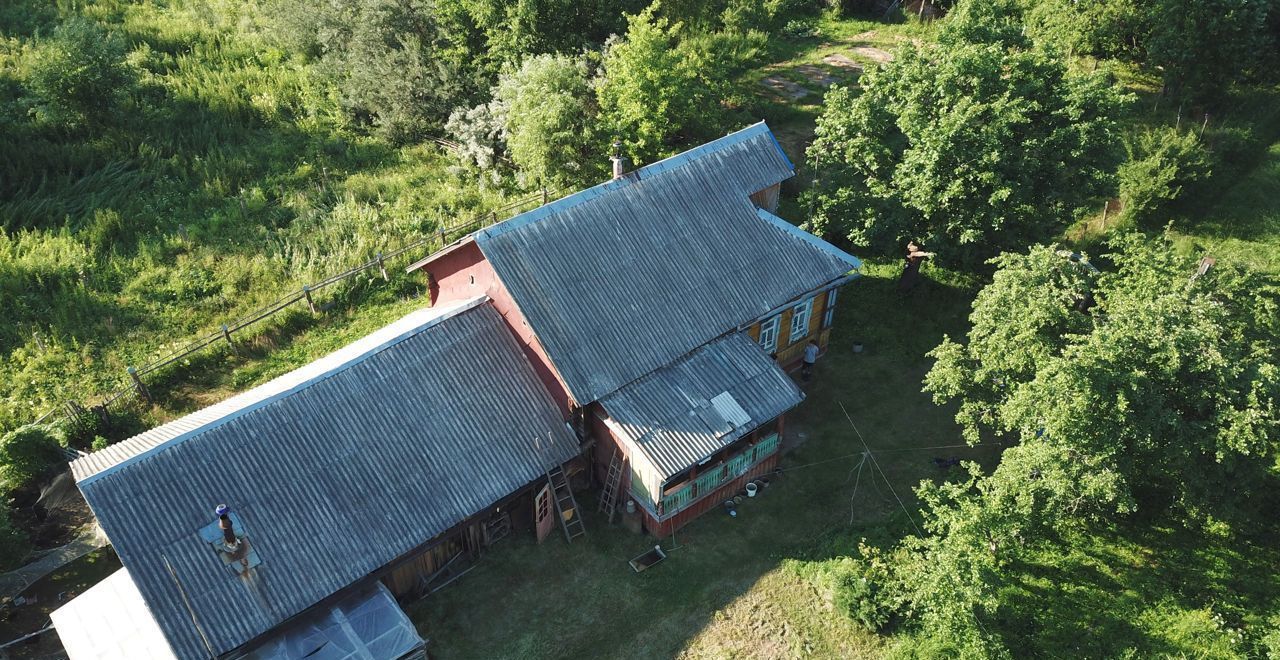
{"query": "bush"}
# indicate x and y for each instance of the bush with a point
(81, 74)
(28, 454)
(1270, 641)
(1161, 165)
(861, 588)
(14, 545)
(800, 28)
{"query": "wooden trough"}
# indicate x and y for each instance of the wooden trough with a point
(648, 559)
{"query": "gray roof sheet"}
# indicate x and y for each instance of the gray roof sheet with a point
(333, 471)
(678, 415)
(625, 277)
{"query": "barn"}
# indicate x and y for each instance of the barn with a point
(284, 521)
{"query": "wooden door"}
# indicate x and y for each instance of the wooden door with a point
(542, 519)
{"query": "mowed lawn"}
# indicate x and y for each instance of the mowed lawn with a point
(723, 591)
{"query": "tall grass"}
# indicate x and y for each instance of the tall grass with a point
(225, 178)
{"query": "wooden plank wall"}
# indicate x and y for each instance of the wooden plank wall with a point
(789, 352)
(663, 529)
(404, 580)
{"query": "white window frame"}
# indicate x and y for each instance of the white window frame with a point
(802, 313)
(769, 329)
(829, 316)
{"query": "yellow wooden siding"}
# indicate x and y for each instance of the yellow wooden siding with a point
(789, 350)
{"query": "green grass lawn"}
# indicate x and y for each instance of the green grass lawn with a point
(1244, 225)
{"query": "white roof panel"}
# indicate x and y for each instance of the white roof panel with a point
(110, 621)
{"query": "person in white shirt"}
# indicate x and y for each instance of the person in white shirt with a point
(810, 358)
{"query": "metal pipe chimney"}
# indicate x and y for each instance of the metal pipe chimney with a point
(228, 532)
(619, 162)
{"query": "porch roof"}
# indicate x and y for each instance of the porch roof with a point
(687, 411)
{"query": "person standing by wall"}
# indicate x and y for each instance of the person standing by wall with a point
(810, 358)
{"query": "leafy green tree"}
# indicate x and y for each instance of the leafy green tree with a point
(80, 75)
(661, 82)
(1171, 384)
(28, 454)
(400, 66)
(1202, 46)
(391, 76)
(515, 30)
(1100, 28)
(1152, 386)
(549, 120)
(646, 93)
(1162, 164)
(973, 148)
(1035, 304)
(986, 22)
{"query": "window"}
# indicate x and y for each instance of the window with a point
(829, 317)
(769, 334)
(800, 320)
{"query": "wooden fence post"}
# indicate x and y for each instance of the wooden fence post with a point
(137, 385)
(226, 334)
(1106, 206)
(382, 266)
(544, 196)
(306, 292)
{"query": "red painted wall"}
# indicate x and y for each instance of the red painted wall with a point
(461, 273)
(606, 442)
(663, 529)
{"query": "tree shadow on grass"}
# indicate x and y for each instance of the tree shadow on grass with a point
(1123, 589)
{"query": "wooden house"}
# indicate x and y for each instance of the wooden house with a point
(349, 481)
(660, 309)
(652, 315)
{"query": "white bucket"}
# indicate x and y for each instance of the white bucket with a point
(751, 489)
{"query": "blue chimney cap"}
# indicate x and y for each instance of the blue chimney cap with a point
(221, 510)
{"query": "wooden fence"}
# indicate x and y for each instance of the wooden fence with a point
(135, 386)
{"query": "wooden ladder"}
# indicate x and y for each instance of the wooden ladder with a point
(609, 496)
(566, 506)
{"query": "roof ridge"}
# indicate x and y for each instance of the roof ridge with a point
(668, 164)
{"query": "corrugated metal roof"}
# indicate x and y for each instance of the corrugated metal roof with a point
(685, 412)
(87, 467)
(625, 277)
(333, 471)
